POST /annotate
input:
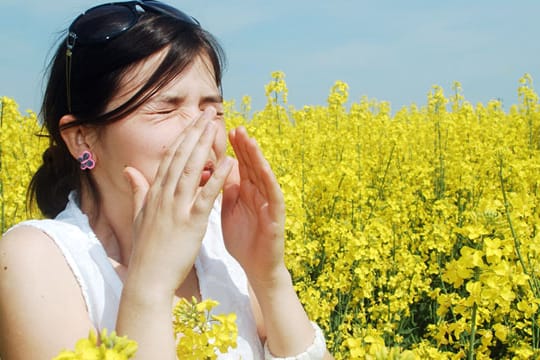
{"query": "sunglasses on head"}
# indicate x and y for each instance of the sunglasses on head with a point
(108, 21)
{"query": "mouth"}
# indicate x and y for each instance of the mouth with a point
(206, 173)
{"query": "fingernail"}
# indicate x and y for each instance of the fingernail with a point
(127, 177)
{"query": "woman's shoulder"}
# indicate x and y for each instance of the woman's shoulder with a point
(31, 230)
(29, 256)
(33, 246)
(35, 225)
(52, 231)
(27, 244)
(35, 282)
(28, 253)
(25, 234)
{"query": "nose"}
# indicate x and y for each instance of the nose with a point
(196, 112)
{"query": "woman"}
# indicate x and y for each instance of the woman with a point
(142, 200)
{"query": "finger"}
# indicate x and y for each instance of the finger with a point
(182, 153)
(139, 188)
(235, 139)
(252, 160)
(231, 187)
(234, 176)
(166, 160)
(261, 172)
(209, 192)
(190, 180)
(171, 152)
(256, 160)
(271, 185)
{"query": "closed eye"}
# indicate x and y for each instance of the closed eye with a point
(164, 112)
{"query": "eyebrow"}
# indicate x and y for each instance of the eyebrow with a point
(177, 100)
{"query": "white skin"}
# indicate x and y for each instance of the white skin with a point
(159, 171)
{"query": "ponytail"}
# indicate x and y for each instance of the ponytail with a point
(57, 176)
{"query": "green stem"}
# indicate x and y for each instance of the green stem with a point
(535, 331)
(380, 188)
(470, 355)
(439, 181)
(532, 283)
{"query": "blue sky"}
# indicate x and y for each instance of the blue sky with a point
(387, 50)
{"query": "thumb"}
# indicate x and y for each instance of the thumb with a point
(139, 188)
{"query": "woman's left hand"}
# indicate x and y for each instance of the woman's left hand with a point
(253, 220)
(253, 212)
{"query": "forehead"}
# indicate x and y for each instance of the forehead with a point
(135, 77)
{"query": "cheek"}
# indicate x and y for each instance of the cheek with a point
(133, 144)
(143, 153)
(150, 155)
(139, 155)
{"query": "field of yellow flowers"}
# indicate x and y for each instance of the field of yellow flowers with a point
(413, 235)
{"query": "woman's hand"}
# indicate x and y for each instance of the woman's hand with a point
(253, 220)
(171, 215)
(253, 213)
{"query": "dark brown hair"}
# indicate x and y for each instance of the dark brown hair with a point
(96, 73)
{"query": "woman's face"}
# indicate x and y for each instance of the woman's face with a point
(140, 139)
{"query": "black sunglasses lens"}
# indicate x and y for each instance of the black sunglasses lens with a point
(103, 22)
(163, 8)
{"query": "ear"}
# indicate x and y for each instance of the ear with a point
(78, 138)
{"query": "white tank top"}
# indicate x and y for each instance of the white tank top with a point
(220, 276)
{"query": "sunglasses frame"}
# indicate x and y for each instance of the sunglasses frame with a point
(136, 7)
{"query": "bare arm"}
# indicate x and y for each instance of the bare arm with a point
(41, 306)
(287, 326)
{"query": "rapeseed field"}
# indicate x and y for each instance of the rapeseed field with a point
(409, 235)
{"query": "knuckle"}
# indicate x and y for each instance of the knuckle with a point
(179, 152)
(168, 152)
(204, 196)
(204, 201)
(200, 207)
(188, 170)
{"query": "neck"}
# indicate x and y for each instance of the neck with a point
(111, 220)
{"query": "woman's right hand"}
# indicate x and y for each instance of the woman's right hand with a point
(171, 215)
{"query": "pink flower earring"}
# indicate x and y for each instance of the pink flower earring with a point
(86, 160)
